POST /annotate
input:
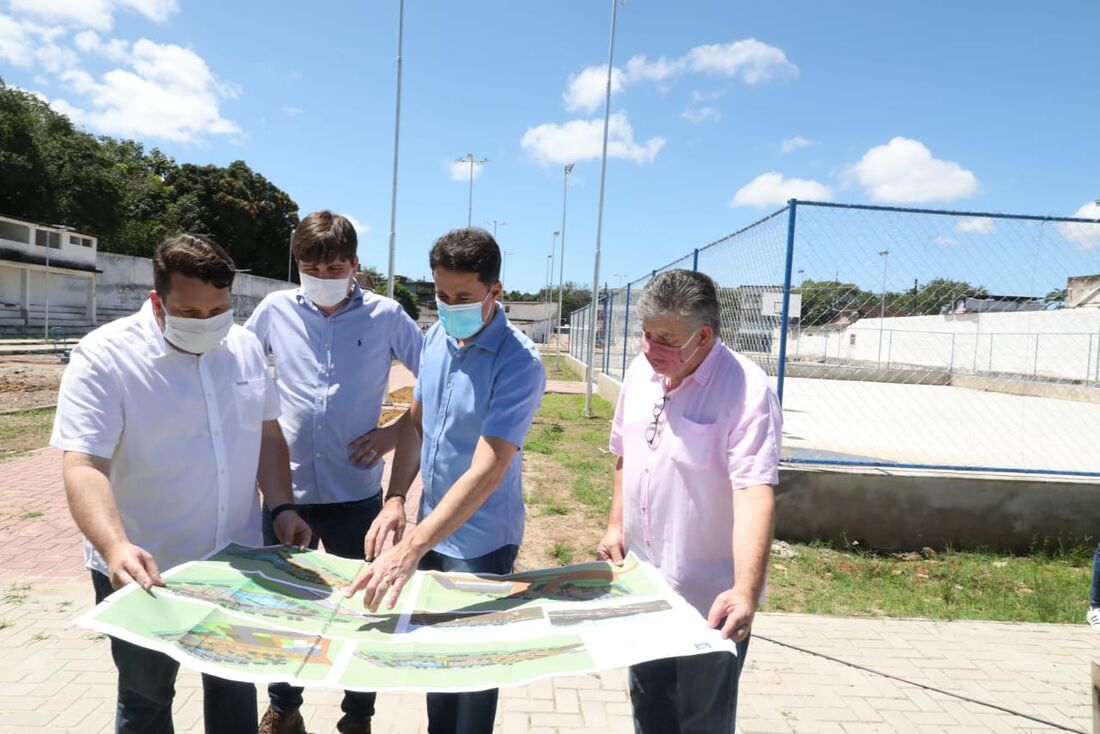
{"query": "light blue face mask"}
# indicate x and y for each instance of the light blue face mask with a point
(462, 321)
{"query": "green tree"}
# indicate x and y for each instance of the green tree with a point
(402, 295)
(933, 296)
(823, 301)
(240, 209)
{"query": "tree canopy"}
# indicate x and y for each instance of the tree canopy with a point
(54, 173)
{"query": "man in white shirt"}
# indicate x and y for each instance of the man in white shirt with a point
(167, 420)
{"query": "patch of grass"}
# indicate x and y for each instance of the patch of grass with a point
(40, 637)
(63, 606)
(16, 593)
(562, 370)
(4, 624)
(31, 515)
(577, 445)
(563, 553)
(25, 431)
(1039, 587)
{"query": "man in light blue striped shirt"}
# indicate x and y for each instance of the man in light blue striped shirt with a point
(333, 344)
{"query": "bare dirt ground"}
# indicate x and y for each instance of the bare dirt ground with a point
(559, 529)
(29, 381)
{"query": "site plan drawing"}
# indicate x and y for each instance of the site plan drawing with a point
(280, 614)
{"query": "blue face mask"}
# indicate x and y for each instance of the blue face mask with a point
(461, 321)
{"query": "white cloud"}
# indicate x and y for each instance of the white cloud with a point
(75, 114)
(945, 240)
(360, 228)
(97, 14)
(640, 68)
(115, 49)
(1085, 235)
(748, 60)
(587, 90)
(460, 171)
(904, 171)
(581, 140)
(790, 145)
(168, 92)
(977, 225)
(700, 114)
(291, 111)
(26, 44)
(771, 189)
(698, 96)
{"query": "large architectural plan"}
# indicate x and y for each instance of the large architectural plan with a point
(279, 614)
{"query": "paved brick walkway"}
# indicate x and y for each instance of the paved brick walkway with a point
(58, 677)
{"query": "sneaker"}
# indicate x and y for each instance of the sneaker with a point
(275, 723)
(347, 725)
(1093, 617)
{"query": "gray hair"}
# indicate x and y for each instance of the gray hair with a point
(688, 295)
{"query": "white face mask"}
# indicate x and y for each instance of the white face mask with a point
(197, 336)
(325, 292)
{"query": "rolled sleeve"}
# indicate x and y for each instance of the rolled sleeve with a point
(517, 393)
(615, 442)
(272, 407)
(89, 415)
(407, 342)
(753, 446)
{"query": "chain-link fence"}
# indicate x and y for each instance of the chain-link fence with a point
(904, 337)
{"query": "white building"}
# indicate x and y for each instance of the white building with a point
(47, 273)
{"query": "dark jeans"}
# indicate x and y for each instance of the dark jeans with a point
(1094, 597)
(342, 527)
(147, 685)
(466, 713)
(695, 694)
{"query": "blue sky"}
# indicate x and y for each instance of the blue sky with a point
(724, 110)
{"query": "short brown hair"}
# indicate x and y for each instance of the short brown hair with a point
(469, 250)
(323, 237)
(193, 256)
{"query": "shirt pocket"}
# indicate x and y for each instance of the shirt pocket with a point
(695, 445)
(249, 396)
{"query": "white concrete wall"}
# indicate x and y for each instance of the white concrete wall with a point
(125, 283)
(1062, 344)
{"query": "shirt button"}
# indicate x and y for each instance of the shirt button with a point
(221, 471)
(317, 455)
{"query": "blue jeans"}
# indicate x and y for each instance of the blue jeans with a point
(147, 685)
(474, 712)
(695, 694)
(1094, 597)
(342, 527)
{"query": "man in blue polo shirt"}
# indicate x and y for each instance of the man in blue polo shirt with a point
(481, 381)
(333, 344)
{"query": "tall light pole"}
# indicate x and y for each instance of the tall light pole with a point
(549, 289)
(494, 224)
(396, 140)
(470, 159)
(561, 265)
(599, 217)
(503, 264)
(550, 285)
(885, 255)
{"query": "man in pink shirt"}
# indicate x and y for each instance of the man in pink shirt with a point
(697, 431)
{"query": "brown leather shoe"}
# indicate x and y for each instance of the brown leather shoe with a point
(275, 723)
(352, 726)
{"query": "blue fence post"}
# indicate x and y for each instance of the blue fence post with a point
(792, 207)
(695, 260)
(626, 334)
(608, 306)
